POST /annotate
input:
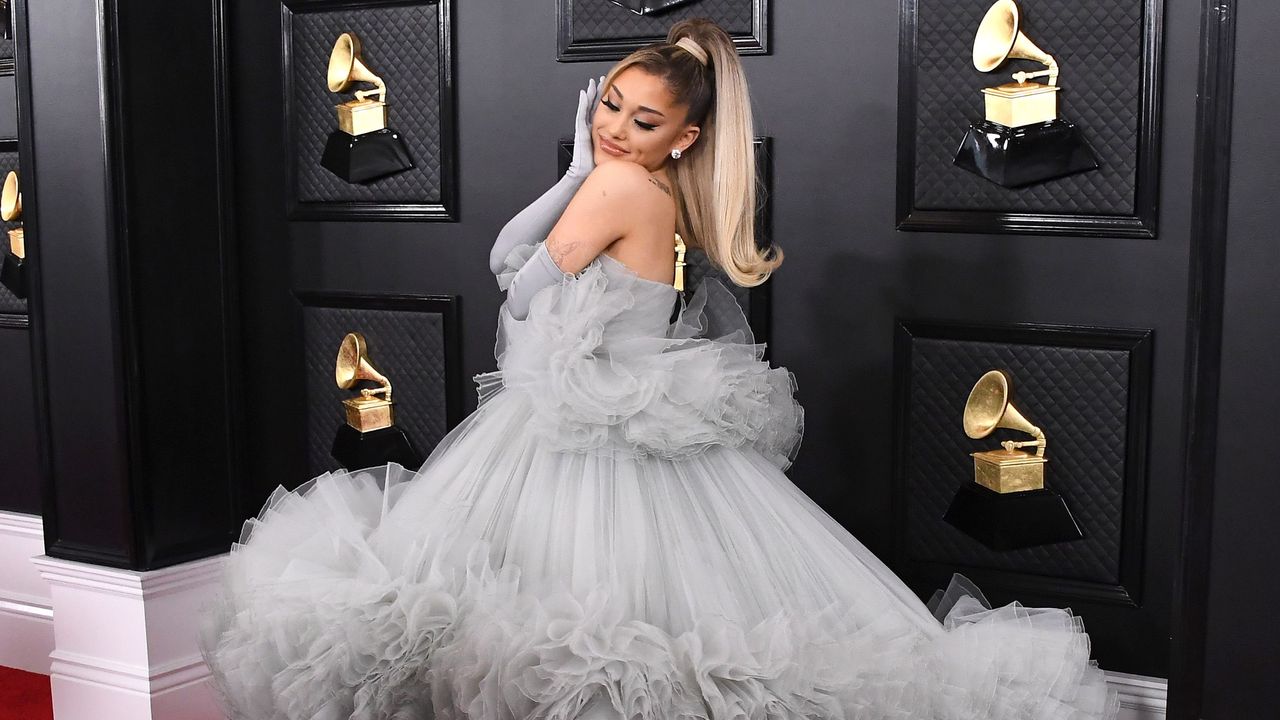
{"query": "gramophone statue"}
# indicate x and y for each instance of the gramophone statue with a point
(369, 437)
(1022, 141)
(14, 271)
(649, 7)
(1007, 506)
(363, 148)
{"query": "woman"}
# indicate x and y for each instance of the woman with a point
(610, 534)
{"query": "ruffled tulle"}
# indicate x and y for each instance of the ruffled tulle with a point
(328, 613)
(610, 535)
(607, 371)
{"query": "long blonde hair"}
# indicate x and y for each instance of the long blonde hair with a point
(715, 178)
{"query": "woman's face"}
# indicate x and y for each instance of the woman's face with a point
(637, 120)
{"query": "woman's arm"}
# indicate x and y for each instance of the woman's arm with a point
(532, 224)
(604, 209)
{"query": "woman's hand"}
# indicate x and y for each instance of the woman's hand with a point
(584, 160)
(531, 225)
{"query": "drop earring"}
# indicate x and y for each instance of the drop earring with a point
(675, 153)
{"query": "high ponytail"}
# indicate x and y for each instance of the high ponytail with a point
(715, 178)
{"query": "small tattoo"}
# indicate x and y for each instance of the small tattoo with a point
(561, 251)
(661, 187)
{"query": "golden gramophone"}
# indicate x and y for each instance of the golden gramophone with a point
(11, 210)
(364, 413)
(1008, 469)
(1022, 140)
(1008, 505)
(362, 115)
(13, 271)
(362, 148)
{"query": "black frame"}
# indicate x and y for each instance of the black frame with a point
(447, 306)
(1205, 303)
(1141, 224)
(1138, 342)
(570, 50)
(444, 211)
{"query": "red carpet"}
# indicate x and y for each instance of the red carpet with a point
(24, 696)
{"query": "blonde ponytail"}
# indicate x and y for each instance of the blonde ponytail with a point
(715, 178)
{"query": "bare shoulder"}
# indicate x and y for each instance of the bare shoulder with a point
(629, 180)
(622, 173)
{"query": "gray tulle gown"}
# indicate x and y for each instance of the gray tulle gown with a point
(611, 535)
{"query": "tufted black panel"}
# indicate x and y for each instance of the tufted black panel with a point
(602, 30)
(402, 45)
(8, 302)
(1079, 389)
(755, 302)
(412, 340)
(1102, 48)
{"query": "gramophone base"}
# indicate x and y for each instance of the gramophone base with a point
(367, 157)
(355, 450)
(1008, 521)
(1019, 156)
(14, 274)
(648, 7)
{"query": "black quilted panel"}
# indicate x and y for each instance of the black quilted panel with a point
(1078, 396)
(407, 346)
(604, 20)
(603, 30)
(401, 44)
(1098, 45)
(7, 48)
(8, 302)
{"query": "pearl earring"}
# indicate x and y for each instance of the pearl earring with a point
(675, 153)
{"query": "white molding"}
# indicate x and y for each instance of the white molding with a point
(12, 523)
(150, 584)
(138, 678)
(1141, 697)
(126, 640)
(26, 610)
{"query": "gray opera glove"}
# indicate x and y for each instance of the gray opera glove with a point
(539, 272)
(534, 223)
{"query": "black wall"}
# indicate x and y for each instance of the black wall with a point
(1243, 641)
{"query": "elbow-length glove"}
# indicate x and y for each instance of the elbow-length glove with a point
(534, 223)
(538, 272)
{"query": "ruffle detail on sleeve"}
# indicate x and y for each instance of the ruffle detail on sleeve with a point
(606, 370)
(515, 260)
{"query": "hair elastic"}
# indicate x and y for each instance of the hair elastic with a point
(693, 48)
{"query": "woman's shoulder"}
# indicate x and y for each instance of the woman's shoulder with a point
(624, 180)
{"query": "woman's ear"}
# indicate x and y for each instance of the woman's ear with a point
(689, 136)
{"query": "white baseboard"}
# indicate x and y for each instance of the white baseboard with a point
(26, 610)
(126, 643)
(1141, 697)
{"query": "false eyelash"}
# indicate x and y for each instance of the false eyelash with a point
(643, 125)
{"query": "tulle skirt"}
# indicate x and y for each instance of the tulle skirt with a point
(507, 580)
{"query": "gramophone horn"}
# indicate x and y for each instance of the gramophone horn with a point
(10, 198)
(345, 66)
(353, 363)
(998, 39)
(989, 408)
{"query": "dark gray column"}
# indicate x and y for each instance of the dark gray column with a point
(123, 142)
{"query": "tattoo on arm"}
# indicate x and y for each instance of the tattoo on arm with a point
(561, 251)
